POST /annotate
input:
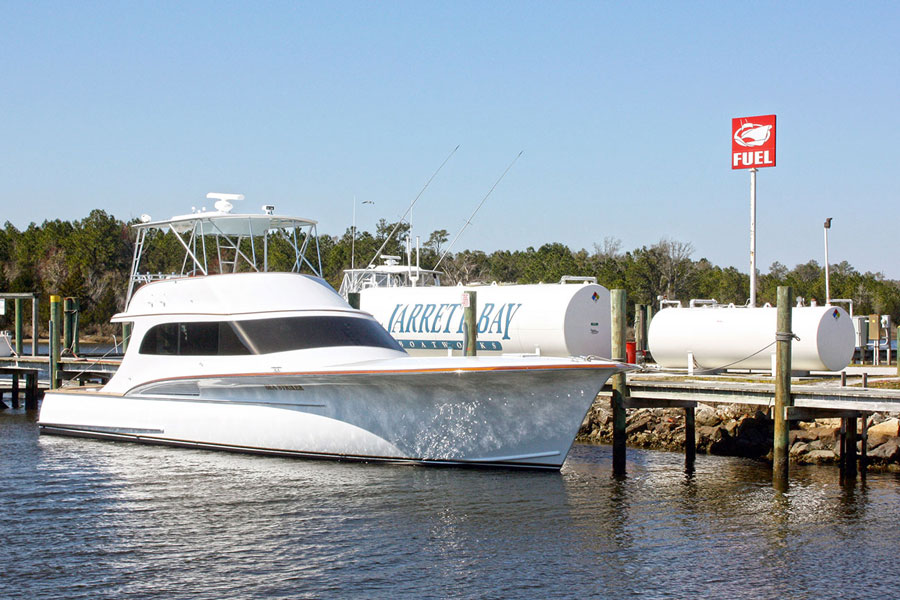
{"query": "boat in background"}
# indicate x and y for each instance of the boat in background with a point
(227, 354)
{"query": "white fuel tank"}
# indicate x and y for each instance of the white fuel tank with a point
(549, 319)
(740, 338)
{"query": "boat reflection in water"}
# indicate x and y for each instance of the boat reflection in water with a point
(278, 363)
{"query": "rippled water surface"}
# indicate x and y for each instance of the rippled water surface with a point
(91, 519)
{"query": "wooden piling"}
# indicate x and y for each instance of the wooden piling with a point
(619, 388)
(18, 330)
(76, 308)
(639, 330)
(783, 336)
(126, 336)
(863, 446)
(470, 328)
(55, 322)
(67, 324)
(35, 330)
(843, 378)
(15, 390)
(690, 440)
(850, 449)
(31, 390)
(865, 380)
(842, 449)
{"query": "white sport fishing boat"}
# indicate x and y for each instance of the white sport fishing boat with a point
(278, 363)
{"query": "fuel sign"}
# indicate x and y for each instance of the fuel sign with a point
(753, 142)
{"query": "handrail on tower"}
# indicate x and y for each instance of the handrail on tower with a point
(240, 241)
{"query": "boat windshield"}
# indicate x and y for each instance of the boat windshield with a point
(263, 336)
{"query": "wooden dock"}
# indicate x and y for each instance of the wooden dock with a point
(807, 402)
(24, 373)
(809, 399)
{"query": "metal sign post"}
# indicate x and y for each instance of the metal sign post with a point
(752, 237)
(827, 282)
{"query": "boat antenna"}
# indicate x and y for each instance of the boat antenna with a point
(416, 199)
(472, 216)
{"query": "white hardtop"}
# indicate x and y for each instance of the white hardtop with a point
(220, 241)
(238, 293)
(226, 223)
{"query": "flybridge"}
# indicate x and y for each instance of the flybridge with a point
(220, 241)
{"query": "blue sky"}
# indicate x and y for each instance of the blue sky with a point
(623, 111)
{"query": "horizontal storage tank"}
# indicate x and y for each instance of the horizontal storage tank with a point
(742, 338)
(550, 319)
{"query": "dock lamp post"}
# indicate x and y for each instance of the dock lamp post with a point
(353, 232)
(827, 283)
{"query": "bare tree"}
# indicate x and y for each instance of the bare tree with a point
(611, 248)
(676, 265)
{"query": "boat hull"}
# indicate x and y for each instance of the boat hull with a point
(515, 417)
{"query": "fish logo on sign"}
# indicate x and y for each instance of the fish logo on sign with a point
(752, 135)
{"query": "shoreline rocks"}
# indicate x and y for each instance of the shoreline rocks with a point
(743, 431)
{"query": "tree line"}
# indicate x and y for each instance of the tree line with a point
(89, 259)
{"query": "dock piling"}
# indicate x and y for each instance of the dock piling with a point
(617, 307)
(55, 318)
(68, 311)
(76, 308)
(690, 440)
(31, 390)
(783, 337)
(639, 333)
(19, 318)
(470, 328)
(849, 463)
(15, 390)
(126, 336)
(863, 450)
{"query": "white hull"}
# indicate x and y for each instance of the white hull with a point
(525, 416)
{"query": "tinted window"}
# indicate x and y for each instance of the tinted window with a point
(263, 336)
(193, 339)
(297, 333)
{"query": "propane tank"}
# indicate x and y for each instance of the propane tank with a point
(743, 338)
(546, 319)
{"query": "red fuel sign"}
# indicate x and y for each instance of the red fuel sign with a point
(753, 142)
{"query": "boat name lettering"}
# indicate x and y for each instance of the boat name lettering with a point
(286, 388)
(447, 345)
(445, 318)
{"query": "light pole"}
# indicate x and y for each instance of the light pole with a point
(353, 233)
(827, 283)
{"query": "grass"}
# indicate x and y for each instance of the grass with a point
(886, 384)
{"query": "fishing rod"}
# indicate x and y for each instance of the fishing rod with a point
(397, 226)
(472, 216)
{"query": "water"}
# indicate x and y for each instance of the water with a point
(91, 519)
